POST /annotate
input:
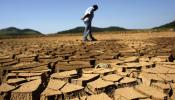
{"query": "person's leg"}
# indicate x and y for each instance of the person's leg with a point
(90, 33)
(85, 34)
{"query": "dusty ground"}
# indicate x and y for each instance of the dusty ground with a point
(69, 68)
(114, 36)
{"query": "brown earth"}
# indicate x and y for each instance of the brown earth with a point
(140, 64)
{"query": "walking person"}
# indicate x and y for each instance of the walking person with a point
(87, 19)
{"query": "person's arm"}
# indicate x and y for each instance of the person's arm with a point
(88, 13)
(85, 16)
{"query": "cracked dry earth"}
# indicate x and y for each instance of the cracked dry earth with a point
(137, 66)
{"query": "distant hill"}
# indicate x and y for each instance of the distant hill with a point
(94, 29)
(13, 31)
(170, 25)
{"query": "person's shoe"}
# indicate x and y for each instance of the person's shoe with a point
(94, 39)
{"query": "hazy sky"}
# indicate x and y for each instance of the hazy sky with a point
(49, 16)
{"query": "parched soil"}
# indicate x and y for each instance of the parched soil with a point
(63, 67)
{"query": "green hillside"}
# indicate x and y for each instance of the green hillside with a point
(94, 29)
(170, 25)
(13, 31)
